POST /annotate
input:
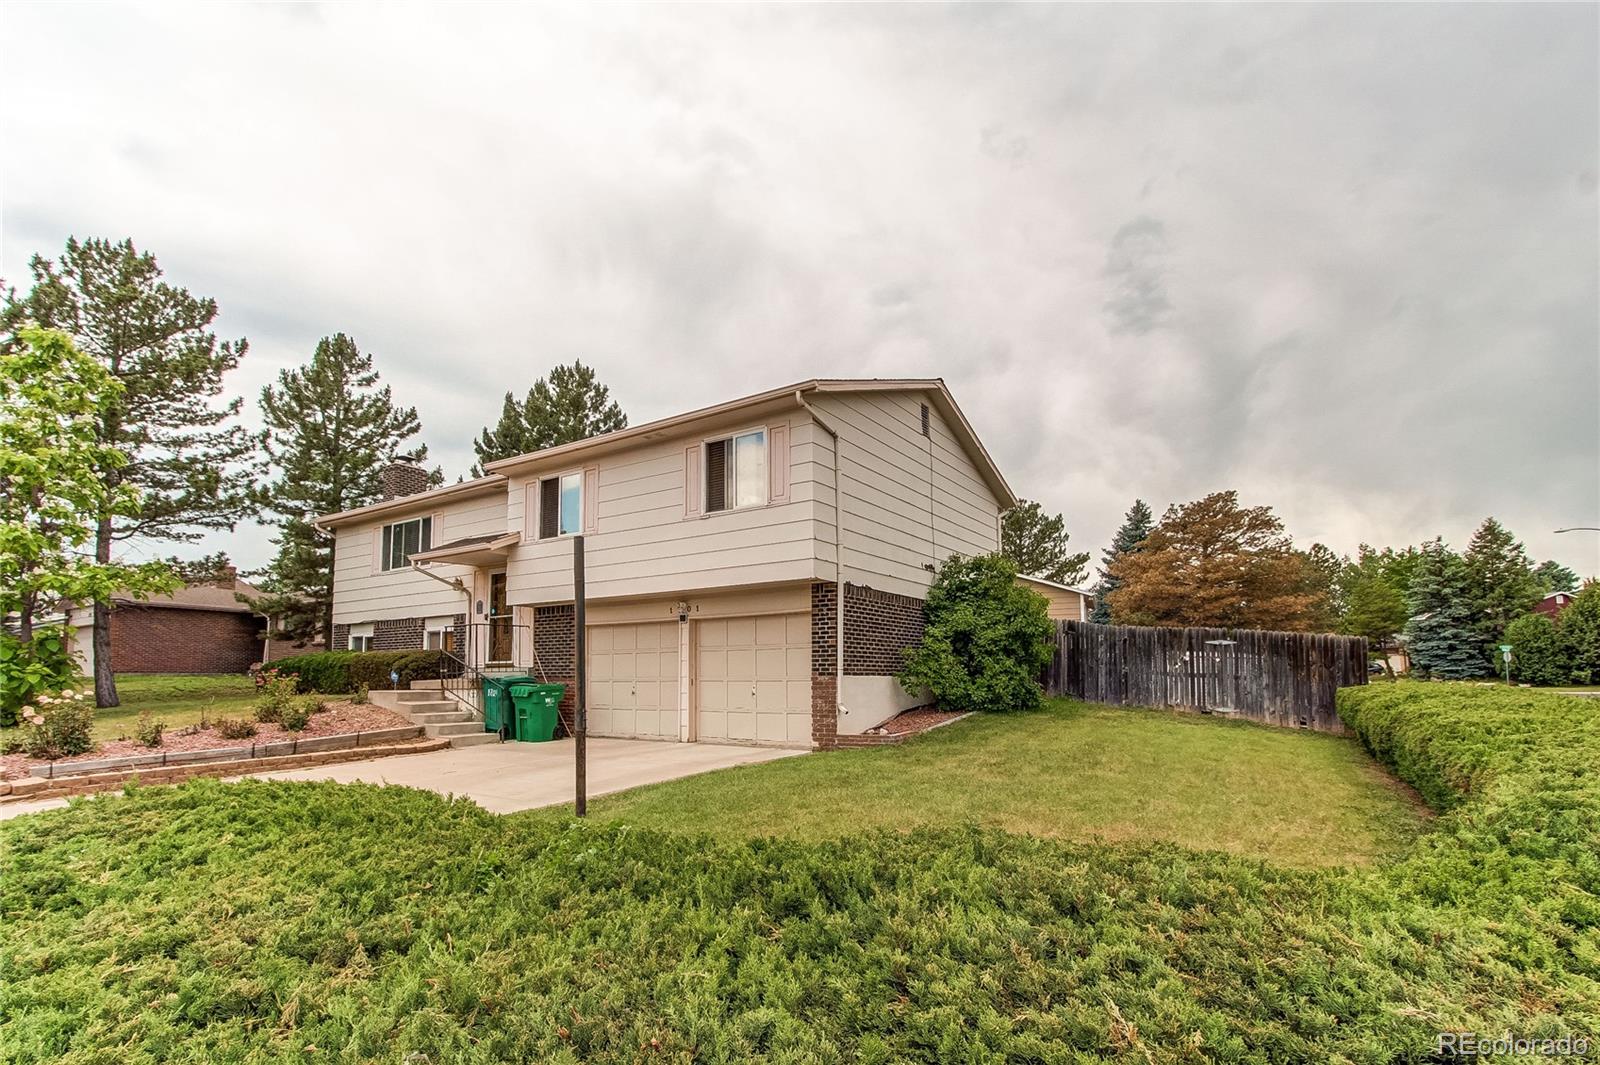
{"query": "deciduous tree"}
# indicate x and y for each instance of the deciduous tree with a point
(1579, 628)
(1036, 543)
(571, 404)
(52, 487)
(1215, 563)
(1374, 608)
(1537, 654)
(331, 428)
(193, 462)
(1136, 525)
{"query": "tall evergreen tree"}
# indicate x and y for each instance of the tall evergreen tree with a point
(191, 460)
(1442, 633)
(1036, 543)
(330, 431)
(570, 404)
(1323, 570)
(1502, 583)
(1136, 525)
(1552, 576)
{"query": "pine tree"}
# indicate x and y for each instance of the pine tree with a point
(1136, 525)
(571, 404)
(1552, 576)
(330, 431)
(1036, 543)
(1442, 636)
(1502, 583)
(193, 463)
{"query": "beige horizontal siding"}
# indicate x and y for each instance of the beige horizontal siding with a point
(910, 501)
(365, 592)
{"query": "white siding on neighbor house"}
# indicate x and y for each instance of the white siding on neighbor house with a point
(644, 534)
(364, 591)
(910, 500)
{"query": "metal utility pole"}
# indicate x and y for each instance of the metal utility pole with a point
(581, 696)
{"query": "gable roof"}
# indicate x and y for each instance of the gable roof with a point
(1087, 593)
(495, 480)
(197, 597)
(933, 386)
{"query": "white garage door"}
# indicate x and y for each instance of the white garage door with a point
(633, 680)
(753, 679)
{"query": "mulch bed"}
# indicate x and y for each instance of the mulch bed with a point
(918, 720)
(338, 719)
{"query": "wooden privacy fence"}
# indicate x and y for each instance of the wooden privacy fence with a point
(1277, 678)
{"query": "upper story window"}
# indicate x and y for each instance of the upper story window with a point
(404, 539)
(736, 471)
(561, 505)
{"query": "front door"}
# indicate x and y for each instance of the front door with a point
(499, 620)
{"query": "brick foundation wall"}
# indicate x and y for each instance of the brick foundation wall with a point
(824, 666)
(399, 634)
(555, 630)
(166, 640)
(341, 638)
(878, 628)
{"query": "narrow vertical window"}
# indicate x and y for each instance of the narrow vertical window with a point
(716, 475)
(924, 419)
(549, 508)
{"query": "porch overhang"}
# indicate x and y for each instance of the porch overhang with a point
(490, 550)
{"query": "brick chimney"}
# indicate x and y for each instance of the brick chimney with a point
(227, 576)
(403, 479)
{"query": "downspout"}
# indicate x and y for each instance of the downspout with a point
(454, 582)
(838, 555)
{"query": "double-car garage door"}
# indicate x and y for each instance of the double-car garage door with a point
(751, 680)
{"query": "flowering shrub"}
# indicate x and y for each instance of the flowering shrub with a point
(57, 726)
(277, 692)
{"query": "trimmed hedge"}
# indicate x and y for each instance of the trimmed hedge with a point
(254, 921)
(339, 672)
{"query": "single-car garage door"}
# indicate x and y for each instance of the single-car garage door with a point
(753, 680)
(633, 680)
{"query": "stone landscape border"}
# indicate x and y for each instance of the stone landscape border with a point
(174, 770)
(273, 749)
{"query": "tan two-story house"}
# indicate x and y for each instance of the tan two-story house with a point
(753, 570)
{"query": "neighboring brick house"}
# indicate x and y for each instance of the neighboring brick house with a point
(1554, 603)
(717, 543)
(201, 628)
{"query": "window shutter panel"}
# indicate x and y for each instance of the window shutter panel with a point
(691, 481)
(549, 508)
(716, 476)
(591, 499)
(436, 534)
(778, 463)
(530, 511)
(377, 549)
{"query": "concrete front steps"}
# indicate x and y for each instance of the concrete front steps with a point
(440, 716)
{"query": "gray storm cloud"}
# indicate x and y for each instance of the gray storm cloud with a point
(1341, 258)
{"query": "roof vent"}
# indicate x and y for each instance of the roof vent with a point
(403, 479)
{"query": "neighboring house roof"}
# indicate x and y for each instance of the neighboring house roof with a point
(495, 479)
(198, 597)
(1085, 592)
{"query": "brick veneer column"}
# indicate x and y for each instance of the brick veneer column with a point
(824, 666)
(555, 633)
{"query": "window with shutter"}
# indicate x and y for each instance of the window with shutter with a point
(549, 508)
(716, 475)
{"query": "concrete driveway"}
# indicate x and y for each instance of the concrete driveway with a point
(506, 777)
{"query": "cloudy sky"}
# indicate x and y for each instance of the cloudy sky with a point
(1343, 259)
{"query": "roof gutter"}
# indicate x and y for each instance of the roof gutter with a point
(838, 555)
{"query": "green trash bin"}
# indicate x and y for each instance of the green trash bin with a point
(537, 709)
(498, 713)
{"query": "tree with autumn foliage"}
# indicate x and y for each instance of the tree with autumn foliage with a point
(1215, 563)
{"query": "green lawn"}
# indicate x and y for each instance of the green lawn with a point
(176, 698)
(1075, 771)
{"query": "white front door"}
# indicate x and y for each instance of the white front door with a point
(753, 680)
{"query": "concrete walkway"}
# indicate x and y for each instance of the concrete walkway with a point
(506, 777)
